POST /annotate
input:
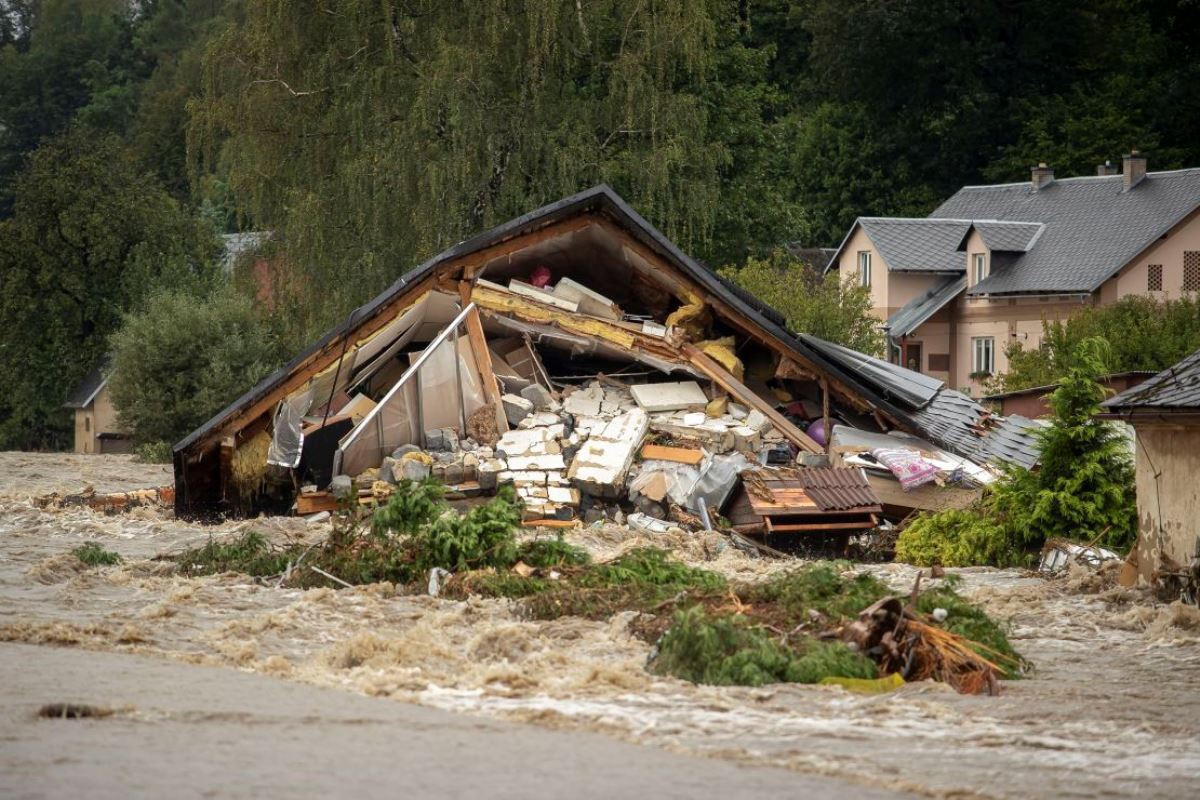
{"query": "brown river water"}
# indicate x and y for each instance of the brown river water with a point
(1111, 709)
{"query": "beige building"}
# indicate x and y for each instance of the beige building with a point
(97, 429)
(1165, 414)
(956, 289)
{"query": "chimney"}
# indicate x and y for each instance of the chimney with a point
(1134, 169)
(1107, 168)
(1042, 176)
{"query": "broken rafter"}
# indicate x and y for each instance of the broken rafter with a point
(747, 397)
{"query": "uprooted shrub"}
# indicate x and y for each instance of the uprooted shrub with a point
(251, 553)
(727, 650)
(94, 555)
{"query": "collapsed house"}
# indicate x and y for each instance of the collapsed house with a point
(578, 355)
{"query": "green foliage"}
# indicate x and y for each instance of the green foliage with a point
(251, 553)
(416, 531)
(728, 651)
(90, 234)
(546, 553)
(94, 555)
(181, 359)
(958, 538)
(650, 566)
(1083, 489)
(821, 305)
(1142, 334)
(819, 587)
(153, 453)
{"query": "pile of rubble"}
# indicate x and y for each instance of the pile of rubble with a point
(584, 453)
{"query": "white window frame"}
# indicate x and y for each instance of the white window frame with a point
(983, 355)
(864, 268)
(979, 267)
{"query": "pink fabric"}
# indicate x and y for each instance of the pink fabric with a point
(540, 277)
(907, 465)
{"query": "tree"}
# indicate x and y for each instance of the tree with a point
(370, 136)
(89, 235)
(821, 305)
(1083, 488)
(183, 358)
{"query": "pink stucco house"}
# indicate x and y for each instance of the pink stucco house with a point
(954, 289)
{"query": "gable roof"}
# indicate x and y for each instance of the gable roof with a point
(1093, 226)
(921, 308)
(88, 388)
(598, 199)
(1176, 388)
(1005, 237)
(909, 244)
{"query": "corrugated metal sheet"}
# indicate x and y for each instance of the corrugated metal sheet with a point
(837, 488)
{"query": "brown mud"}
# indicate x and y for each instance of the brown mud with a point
(1110, 709)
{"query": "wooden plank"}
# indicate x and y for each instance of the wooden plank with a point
(680, 455)
(819, 526)
(550, 523)
(483, 360)
(747, 397)
(825, 412)
(314, 502)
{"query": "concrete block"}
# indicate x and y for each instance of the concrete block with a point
(738, 411)
(388, 469)
(695, 418)
(563, 495)
(516, 408)
(538, 395)
(746, 439)
(528, 477)
(341, 486)
(669, 396)
(536, 462)
(757, 420)
(412, 469)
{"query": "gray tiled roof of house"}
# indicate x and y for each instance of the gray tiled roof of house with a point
(1175, 388)
(945, 417)
(921, 308)
(1093, 226)
(1008, 237)
(917, 245)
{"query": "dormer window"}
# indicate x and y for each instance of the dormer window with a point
(864, 268)
(979, 269)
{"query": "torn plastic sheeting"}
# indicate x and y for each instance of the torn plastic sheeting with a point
(287, 439)
(718, 481)
(681, 479)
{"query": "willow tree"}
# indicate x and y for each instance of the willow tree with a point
(371, 134)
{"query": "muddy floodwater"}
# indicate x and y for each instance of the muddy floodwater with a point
(1111, 709)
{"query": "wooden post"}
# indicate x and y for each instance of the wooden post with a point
(483, 358)
(825, 413)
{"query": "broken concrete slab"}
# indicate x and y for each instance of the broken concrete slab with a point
(584, 402)
(602, 462)
(654, 397)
